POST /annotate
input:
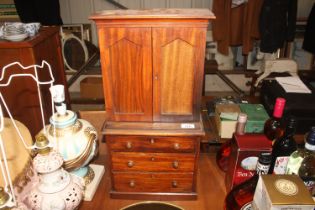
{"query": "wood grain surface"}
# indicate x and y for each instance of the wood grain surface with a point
(210, 187)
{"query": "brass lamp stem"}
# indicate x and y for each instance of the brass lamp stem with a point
(42, 144)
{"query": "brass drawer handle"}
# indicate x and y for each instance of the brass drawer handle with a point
(130, 163)
(174, 184)
(132, 183)
(128, 145)
(175, 164)
(176, 146)
(152, 141)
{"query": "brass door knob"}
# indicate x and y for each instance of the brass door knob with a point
(130, 163)
(176, 146)
(128, 145)
(175, 164)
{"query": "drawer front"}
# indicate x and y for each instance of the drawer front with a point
(151, 182)
(158, 162)
(154, 144)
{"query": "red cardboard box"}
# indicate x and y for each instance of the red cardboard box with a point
(245, 150)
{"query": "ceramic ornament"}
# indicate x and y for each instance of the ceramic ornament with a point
(76, 140)
(57, 189)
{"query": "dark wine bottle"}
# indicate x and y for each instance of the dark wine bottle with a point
(283, 147)
(272, 127)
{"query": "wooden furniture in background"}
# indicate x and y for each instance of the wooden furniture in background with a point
(22, 95)
(152, 66)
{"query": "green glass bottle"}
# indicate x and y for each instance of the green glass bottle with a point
(298, 156)
(307, 168)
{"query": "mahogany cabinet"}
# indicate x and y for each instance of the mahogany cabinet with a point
(152, 62)
(152, 67)
(22, 95)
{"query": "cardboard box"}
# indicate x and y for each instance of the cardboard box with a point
(225, 125)
(245, 150)
(256, 117)
(282, 192)
(91, 87)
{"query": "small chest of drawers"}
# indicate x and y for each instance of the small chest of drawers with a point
(153, 165)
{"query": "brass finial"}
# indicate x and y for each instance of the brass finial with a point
(4, 196)
(42, 143)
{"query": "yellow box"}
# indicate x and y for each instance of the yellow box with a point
(226, 125)
(282, 192)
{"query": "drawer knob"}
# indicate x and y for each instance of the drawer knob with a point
(152, 159)
(174, 184)
(132, 183)
(128, 145)
(152, 141)
(130, 163)
(176, 146)
(175, 164)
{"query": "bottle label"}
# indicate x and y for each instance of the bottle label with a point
(281, 165)
(294, 164)
(247, 206)
(262, 169)
(310, 184)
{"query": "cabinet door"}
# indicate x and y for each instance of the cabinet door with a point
(178, 62)
(127, 73)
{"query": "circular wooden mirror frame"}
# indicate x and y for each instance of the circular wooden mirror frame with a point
(67, 37)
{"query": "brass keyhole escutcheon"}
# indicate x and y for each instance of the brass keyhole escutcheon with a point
(174, 184)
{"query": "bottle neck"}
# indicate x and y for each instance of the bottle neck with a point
(240, 128)
(279, 107)
(277, 113)
(310, 147)
(241, 123)
(289, 132)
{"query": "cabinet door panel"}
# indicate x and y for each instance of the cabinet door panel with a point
(178, 71)
(127, 73)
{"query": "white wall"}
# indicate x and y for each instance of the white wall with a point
(78, 11)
